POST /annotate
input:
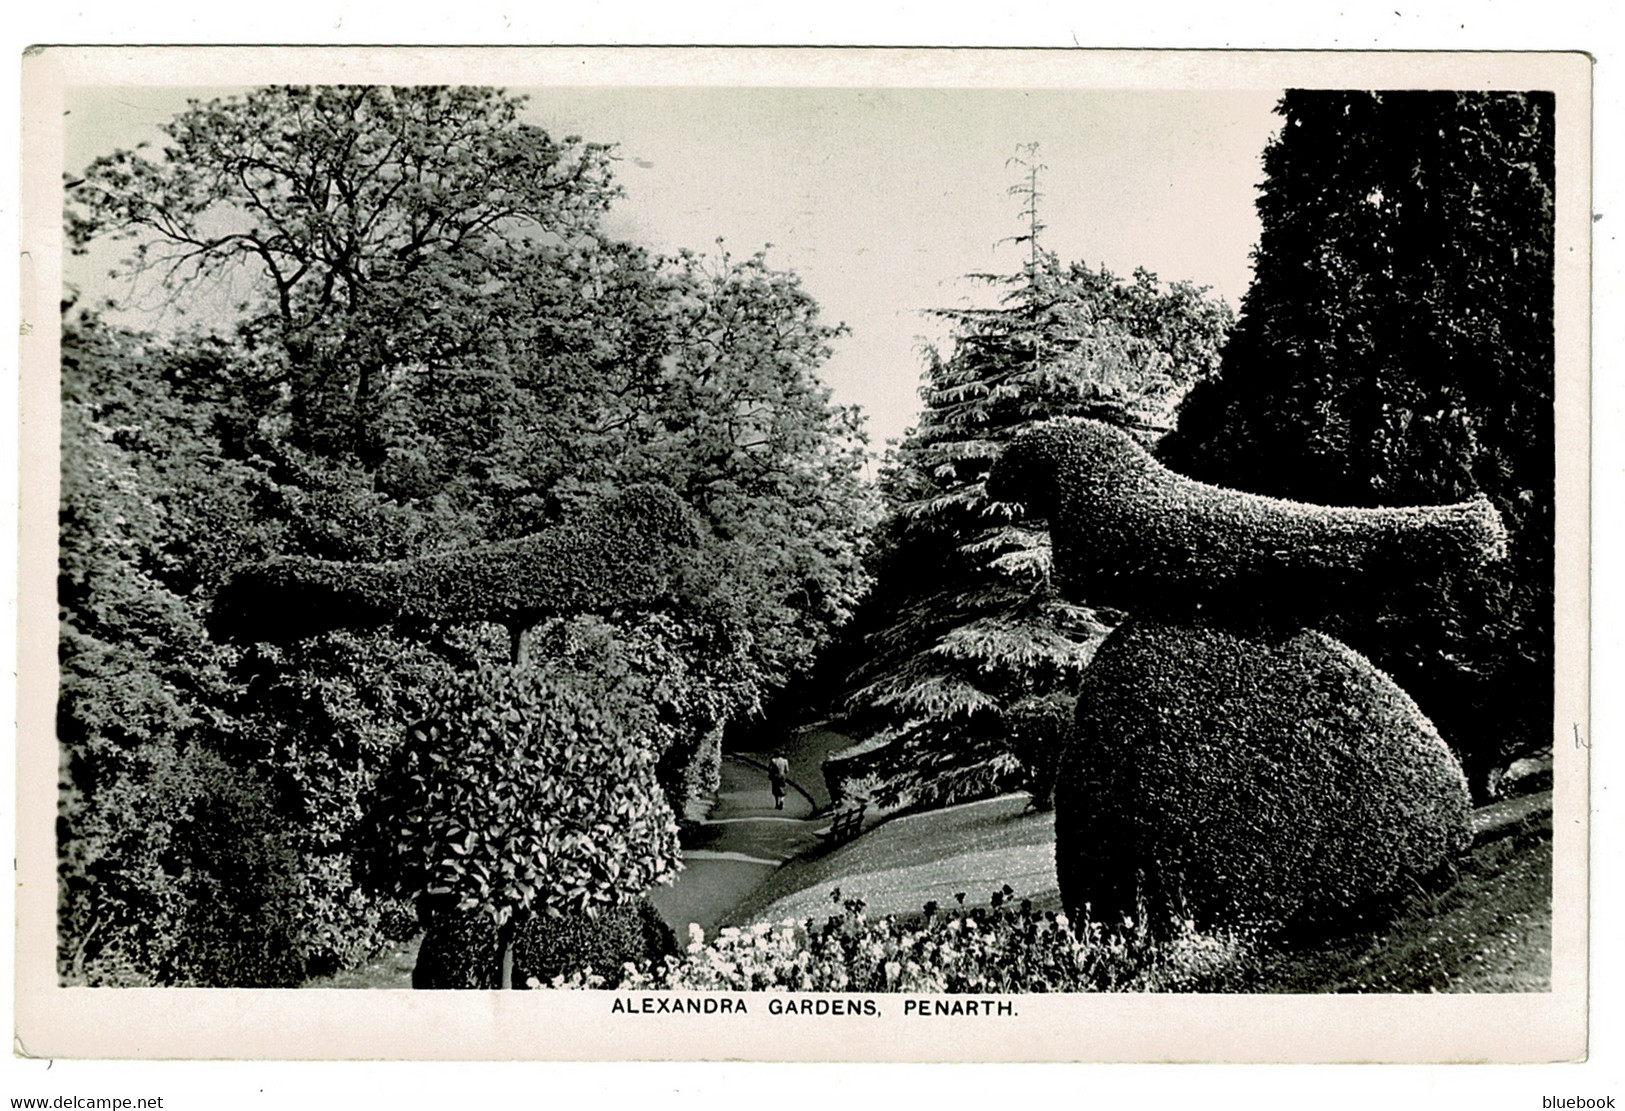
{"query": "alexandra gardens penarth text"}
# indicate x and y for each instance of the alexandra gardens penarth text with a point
(737, 1005)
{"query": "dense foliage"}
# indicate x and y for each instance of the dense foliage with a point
(624, 552)
(413, 339)
(1396, 347)
(354, 215)
(1128, 532)
(1247, 780)
(173, 865)
(1227, 765)
(966, 656)
(520, 790)
(693, 676)
(523, 792)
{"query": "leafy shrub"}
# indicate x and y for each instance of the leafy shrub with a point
(461, 949)
(548, 946)
(690, 772)
(1039, 731)
(1003, 948)
(853, 769)
(173, 867)
(691, 672)
(522, 792)
(625, 550)
(464, 948)
(324, 719)
(238, 870)
(174, 871)
(1247, 779)
(862, 790)
(1128, 532)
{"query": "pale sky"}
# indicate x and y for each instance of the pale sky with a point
(882, 199)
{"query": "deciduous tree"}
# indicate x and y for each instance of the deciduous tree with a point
(412, 337)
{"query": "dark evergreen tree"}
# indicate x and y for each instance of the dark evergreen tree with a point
(1396, 347)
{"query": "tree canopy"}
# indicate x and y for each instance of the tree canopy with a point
(350, 214)
(402, 333)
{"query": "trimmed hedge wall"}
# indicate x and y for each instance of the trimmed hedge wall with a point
(1244, 779)
(547, 946)
(1127, 532)
(625, 550)
(462, 950)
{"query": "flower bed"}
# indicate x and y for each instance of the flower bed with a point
(1006, 947)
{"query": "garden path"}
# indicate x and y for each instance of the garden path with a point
(744, 839)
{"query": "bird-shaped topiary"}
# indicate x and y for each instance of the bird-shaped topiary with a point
(627, 550)
(1229, 764)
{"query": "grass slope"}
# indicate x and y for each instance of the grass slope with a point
(899, 866)
(1491, 931)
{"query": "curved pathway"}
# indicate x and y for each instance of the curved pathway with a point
(744, 839)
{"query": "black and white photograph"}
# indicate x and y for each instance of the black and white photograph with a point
(848, 555)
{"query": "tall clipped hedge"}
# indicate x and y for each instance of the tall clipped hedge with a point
(625, 550)
(1130, 533)
(523, 792)
(1247, 779)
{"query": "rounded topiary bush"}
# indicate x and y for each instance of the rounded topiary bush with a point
(1247, 779)
(549, 945)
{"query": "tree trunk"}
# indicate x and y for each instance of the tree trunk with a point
(519, 644)
(505, 936)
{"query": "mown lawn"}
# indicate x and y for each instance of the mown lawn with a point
(897, 867)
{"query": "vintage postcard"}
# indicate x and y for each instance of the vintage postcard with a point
(804, 555)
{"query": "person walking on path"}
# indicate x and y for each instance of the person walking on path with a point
(778, 773)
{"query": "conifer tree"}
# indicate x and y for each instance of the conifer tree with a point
(969, 655)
